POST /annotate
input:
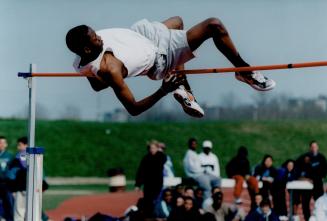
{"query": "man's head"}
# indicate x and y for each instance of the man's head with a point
(83, 41)
(207, 146)
(22, 144)
(217, 199)
(189, 191)
(314, 148)
(188, 203)
(3, 143)
(192, 143)
(258, 199)
(153, 147)
(265, 206)
(167, 195)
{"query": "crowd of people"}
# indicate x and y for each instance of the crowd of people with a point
(13, 173)
(200, 195)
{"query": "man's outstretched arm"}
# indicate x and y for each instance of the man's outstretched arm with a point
(126, 97)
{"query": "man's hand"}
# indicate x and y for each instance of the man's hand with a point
(172, 82)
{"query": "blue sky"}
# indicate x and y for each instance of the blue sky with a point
(264, 31)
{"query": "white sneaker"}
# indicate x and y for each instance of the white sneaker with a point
(256, 80)
(188, 102)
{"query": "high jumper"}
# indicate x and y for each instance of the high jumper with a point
(106, 57)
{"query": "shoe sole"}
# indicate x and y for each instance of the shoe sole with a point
(188, 110)
(252, 85)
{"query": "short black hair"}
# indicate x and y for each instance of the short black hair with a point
(77, 37)
(2, 137)
(265, 202)
(23, 140)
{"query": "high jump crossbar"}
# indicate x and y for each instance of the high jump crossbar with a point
(194, 71)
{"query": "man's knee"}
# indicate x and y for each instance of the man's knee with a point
(215, 25)
(179, 22)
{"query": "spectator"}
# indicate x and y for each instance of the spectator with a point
(238, 168)
(17, 175)
(192, 167)
(319, 168)
(285, 173)
(168, 170)
(5, 194)
(223, 211)
(263, 213)
(164, 206)
(320, 212)
(149, 174)
(257, 199)
(198, 196)
(266, 173)
(207, 202)
(187, 212)
(179, 202)
(305, 173)
(209, 161)
(189, 192)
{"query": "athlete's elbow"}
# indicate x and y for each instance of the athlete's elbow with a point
(134, 111)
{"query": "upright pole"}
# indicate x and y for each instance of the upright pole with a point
(34, 160)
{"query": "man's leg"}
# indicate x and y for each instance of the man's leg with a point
(184, 94)
(214, 28)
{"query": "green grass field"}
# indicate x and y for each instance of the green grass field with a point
(90, 148)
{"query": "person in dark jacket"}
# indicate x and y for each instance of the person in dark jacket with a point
(262, 213)
(285, 173)
(150, 175)
(305, 172)
(266, 173)
(319, 168)
(238, 168)
(187, 212)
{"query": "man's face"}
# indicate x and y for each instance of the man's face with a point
(206, 150)
(314, 148)
(168, 197)
(258, 199)
(193, 145)
(265, 209)
(94, 45)
(21, 146)
(3, 144)
(188, 204)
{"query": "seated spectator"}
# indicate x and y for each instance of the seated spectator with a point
(189, 191)
(262, 213)
(187, 212)
(209, 161)
(320, 211)
(179, 202)
(266, 173)
(207, 202)
(238, 168)
(224, 211)
(198, 196)
(163, 207)
(193, 169)
(285, 173)
(257, 199)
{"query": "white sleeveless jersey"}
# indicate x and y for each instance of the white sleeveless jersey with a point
(135, 51)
